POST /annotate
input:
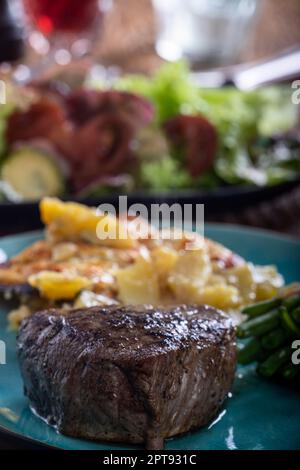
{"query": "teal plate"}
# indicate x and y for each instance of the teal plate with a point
(259, 415)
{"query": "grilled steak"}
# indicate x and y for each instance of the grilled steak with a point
(127, 374)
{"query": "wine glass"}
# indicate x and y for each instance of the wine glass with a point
(62, 31)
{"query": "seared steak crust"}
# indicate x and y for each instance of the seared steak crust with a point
(131, 374)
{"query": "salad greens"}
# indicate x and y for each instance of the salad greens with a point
(16, 98)
(170, 89)
(164, 175)
(241, 119)
(253, 146)
(5, 111)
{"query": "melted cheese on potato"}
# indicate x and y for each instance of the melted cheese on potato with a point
(130, 270)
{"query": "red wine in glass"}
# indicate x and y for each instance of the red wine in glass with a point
(52, 17)
(61, 32)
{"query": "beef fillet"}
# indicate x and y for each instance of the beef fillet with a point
(127, 374)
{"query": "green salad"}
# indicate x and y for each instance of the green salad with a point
(246, 123)
(141, 133)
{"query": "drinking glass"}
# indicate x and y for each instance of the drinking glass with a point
(211, 32)
(63, 30)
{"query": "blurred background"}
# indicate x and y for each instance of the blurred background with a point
(137, 35)
(44, 40)
(131, 28)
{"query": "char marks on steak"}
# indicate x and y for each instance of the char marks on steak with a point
(127, 374)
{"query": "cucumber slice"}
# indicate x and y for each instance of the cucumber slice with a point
(32, 174)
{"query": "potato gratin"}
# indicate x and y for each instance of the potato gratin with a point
(73, 267)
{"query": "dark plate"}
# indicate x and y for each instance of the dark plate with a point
(17, 217)
(259, 415)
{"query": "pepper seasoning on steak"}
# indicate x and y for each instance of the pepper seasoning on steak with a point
(127, 374)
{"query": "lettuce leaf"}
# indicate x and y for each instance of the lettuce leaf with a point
(241, 118)
(5, 111)
(17, 97)
(164, 175)
(170, 89)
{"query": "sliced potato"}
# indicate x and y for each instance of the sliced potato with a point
(88, 299)
(57, 285)
(73, 221)
(16, 316)
(242, 277)
(220, 296)
(64, 251)
(189, 274)
(139, 284)
(165, 259)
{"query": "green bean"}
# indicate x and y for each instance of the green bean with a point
(274, 362)
(290, 371)
(274, 339)
(291, 302)
(260, 325)
(296, 315)
(288, 322)
(249, 352)
(260, 308)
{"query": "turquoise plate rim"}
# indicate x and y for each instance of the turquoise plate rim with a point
(224, 228)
